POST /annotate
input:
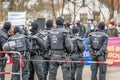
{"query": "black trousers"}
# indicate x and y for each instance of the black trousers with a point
(36, 66)
(16, 69)
(102, 69)
(55, 65)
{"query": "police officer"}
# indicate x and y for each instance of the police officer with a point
(36, 53)
(98, 51)
(43, 34)
(77, 55)
(18, 42)
(59, 44)
(3, 39)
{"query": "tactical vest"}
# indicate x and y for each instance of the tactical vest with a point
(17, 42)
(76, 54)
(43, 34)
(57, 39)
(97, 39)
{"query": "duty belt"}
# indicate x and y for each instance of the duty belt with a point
(37, 52)
(59, 52)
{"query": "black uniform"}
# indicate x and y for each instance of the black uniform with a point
(59, 44)
(3, 39)
(77, 55)
(43, 35)
(18, 42)
(36, 54)
(98, 51)
(82, 29)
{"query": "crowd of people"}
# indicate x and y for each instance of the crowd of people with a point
(59, 43)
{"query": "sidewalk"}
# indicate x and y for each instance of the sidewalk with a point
(113, 73)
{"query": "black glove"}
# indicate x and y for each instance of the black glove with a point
(47, 56)
(97, 54)
(93, 56)
(76, 57)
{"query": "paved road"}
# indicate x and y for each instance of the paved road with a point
(113, 73)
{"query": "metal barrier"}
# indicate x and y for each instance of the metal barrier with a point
(13, 52)
(70, 61)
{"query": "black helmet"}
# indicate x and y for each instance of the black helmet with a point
(7, 26)
(17, 29)
(34, 26)
(101, 26)
(75, 30)
(49, 23)
(60, 21)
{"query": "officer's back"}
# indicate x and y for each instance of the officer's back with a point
(98, 51)
(58, 38)
(43, 34)
(17, 42)
(58, 43)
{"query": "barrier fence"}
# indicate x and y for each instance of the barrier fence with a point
(66, 61)
(70, 61)
(13, 52)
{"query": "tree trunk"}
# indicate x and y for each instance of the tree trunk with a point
(119, 7)
(103, 15)
(111, 14)
(63, 7)
(53, 10)
(1, 11)
(74, 13)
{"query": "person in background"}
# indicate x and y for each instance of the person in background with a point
(106, 26)
(81, 28)
(67, 26)
(90, 28)
(112, 30)
(118, 28)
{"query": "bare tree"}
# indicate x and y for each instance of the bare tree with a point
(76, 9)
(16, 5)
(101, 11)
(53, 10)
(111, 4)
(63, 4)
(1, 11)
